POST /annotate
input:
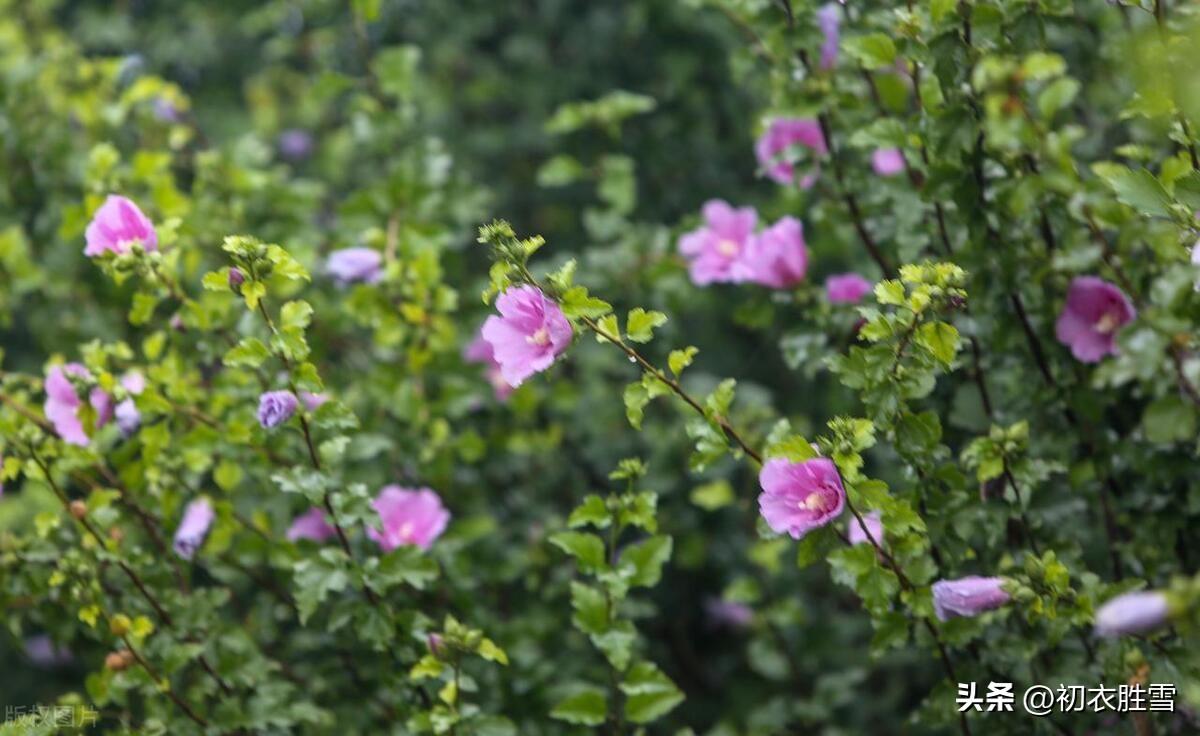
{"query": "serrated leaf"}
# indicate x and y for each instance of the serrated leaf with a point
(250, 352)
(640, 324)
(586, 708)
(586, 548)
(680, 359)
(647, 558)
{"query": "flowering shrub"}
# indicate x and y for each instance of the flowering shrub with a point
(885, 383)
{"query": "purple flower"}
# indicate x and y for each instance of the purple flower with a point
(165, 110)
(62, 403)
(730, 614)
(828, 20)
(480, 351)
(714, 250)
(409, 516)
(1132, 613)
(1196, 262)
(887, 161)
(295, 144)
(846, 288)
(871, 522)
(312, 525)
(197, 518)
(352, 265)
(275, 408)
(236, 279)
(800, 497)
(1094, 311)
(116, 226)
(312, 401)
(128, 417)
(777, 257)
(44, 653)
(969, 596)
(529, 334)
(782, 134)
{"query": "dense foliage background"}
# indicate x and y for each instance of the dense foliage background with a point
(593, 577)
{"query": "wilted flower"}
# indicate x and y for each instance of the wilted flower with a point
(62, 403)
(777, 257)
(409, 516)
(117, 225)
(732, 614)
(714, 251)
(887, 161)
(1094, 312)
(275, 408)
(846, 288)
(828, 20)
(800, 497)
(295, 144)
(197, 518)
(354, 265)
(312, 524)
(773, 147)
(969, 596)
(480, 351)
(871, 522)
(1132, 613)
(529, 334)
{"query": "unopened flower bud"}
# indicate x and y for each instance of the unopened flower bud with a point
(1132, 613)
(236, 279)
(118, 661)
(78, 510)
(434, 641)
(119, 625)
(116, 535)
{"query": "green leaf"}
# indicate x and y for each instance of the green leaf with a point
(1169, 420)
(586, 708)
(143, 308)
(610, 326)
(250, 352)
(577, 303)
(640, 324)
(939, 9)
(939, 338)
(591, 609)
(815, 546)
(889, 291)
(592, 511)
(636, 397)
(317, 577)
(647, 558)
(295, 315)
(650, 693)
(586, 548)
(680, 359)
(489, 651)
(873, 51)
(712, 496)
(1137, 188)
(1056, 96)
(794, 448)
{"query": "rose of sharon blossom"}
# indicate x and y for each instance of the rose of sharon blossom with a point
(887, 161)
(773, 148)
(480, 351)
(846, 288)
(127, 415)
(777, 257)
(311, 525)
(355, 265)
(197, 518)
(969, 596)
(116, 226)
(857, 533)
(409, 516)
(800, 497)
(62, 403)
(714, 251)
(1132, 613)
(1094, 312)
(43, 652)
(530, 332)
(312, 401)
(828, 20)
(295, 144)
(731, 614)
(275, 408)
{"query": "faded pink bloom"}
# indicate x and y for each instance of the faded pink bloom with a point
(1094, 312)
(1132, 613)
(116, 226)
(62, 403)
(969, 596)
(829, 20)
(800, 497)
(714, 251)
(312, 525)
(530, 332)
(871, 522)
(887, 161)
(351, 265)
(846, 288)
(312, 401)
(775, 145)
(480, 351)
(777, 257)
(409, 516)
(197, 518)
